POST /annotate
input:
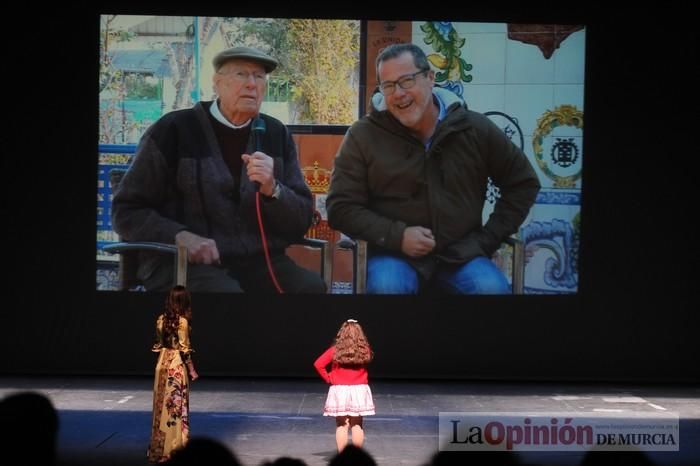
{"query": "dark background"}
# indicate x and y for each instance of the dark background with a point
(633, 319)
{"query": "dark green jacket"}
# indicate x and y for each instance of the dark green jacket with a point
(384, 180)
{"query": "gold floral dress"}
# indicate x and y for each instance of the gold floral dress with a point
(171, 393)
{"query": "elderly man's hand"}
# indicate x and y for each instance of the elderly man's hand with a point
(200, 250)
(260, 168)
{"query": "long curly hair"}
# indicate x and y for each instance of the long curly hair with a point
(177, 304)
(351, 345)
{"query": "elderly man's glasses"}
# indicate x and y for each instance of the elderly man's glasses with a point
(404, 82)
(243, 76)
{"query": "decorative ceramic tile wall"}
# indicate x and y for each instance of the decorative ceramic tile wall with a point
(529, 79)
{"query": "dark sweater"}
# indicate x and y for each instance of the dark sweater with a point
(179, 181)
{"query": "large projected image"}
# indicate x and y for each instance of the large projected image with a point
(527, 79)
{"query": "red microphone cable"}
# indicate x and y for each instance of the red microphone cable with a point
(264, 244)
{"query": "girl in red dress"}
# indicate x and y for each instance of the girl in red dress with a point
(349, 397)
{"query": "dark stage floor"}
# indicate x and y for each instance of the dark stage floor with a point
(106, 420)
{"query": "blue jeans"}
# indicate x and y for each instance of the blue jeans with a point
(392, 275)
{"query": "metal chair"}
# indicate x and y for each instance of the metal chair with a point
(128, 251)
(128, 260)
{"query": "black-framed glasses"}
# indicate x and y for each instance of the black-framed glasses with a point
(404, 82)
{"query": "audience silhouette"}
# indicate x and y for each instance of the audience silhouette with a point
(616, 458)
(285, 461)
(29, 428)
(476, 458)
(352, 456)
(203, 451)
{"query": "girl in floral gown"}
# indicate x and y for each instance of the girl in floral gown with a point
(171, 391)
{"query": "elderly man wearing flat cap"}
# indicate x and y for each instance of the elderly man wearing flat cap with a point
(198, 179)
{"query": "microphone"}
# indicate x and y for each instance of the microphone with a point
(258, 128)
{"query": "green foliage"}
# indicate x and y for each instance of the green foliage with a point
(266, 34)
(110, 78)
(324, 60)
(318, 59)
(112, 86)
(139, 87)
